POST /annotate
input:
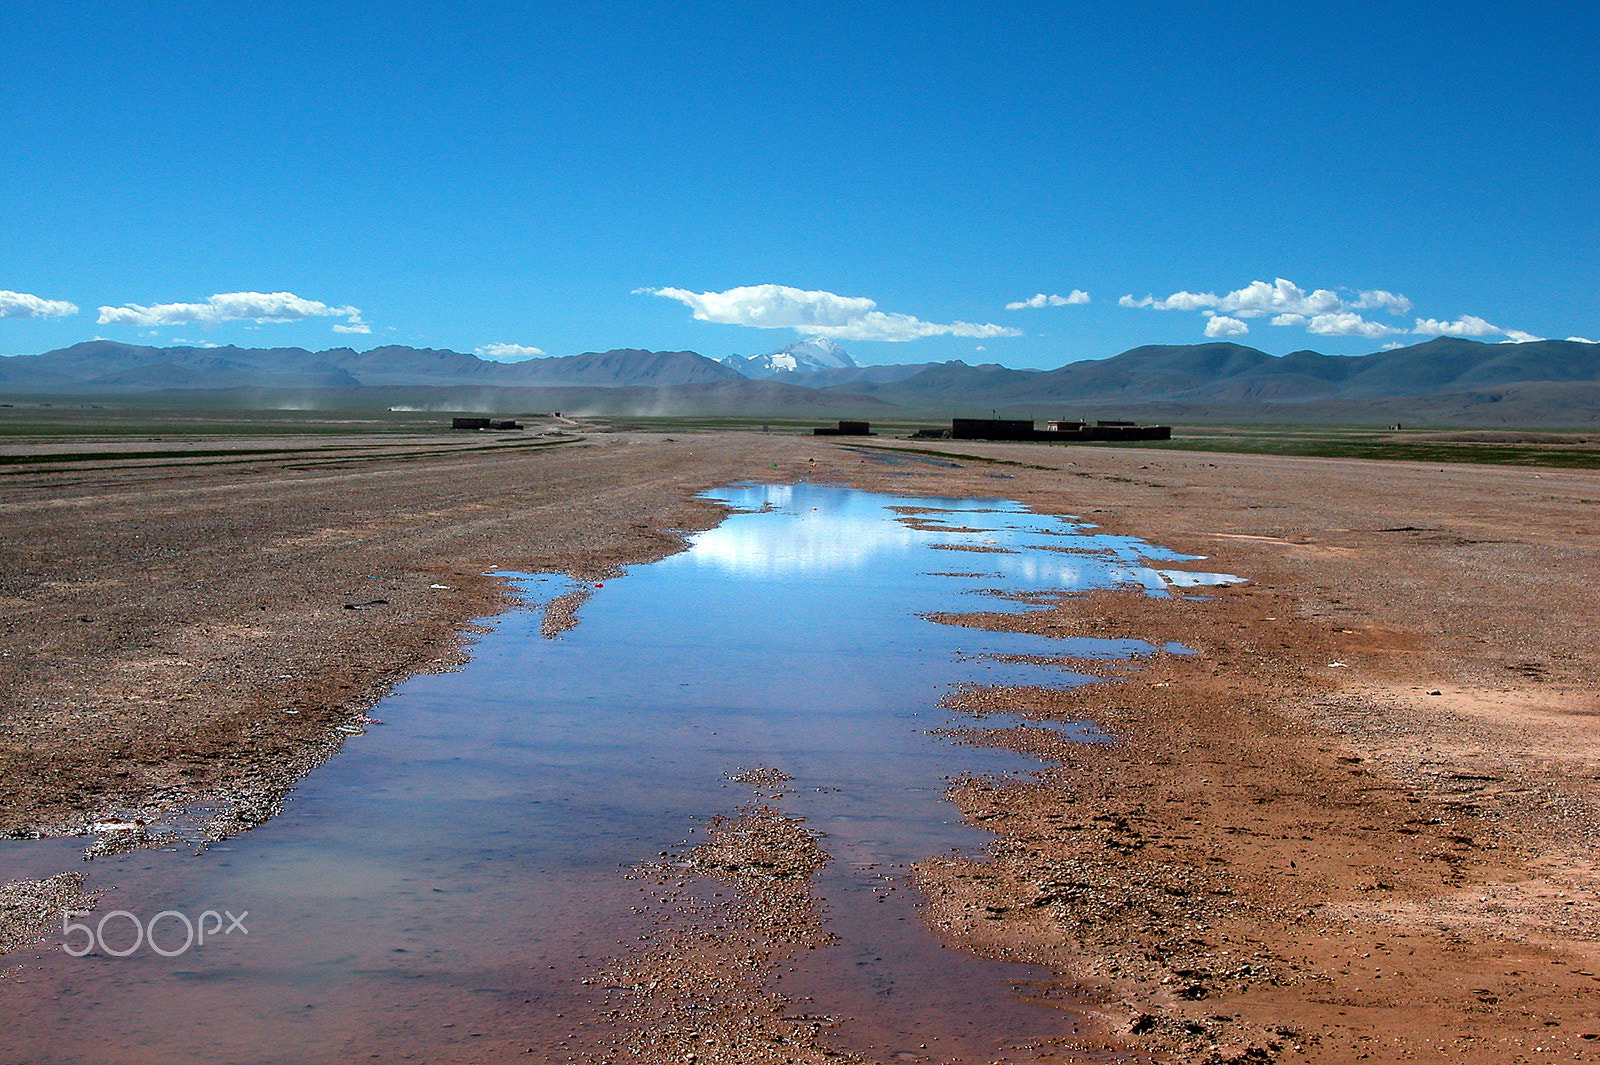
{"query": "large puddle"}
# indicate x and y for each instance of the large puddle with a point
(438, 890)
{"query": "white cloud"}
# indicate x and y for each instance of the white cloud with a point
(1077, 296)
(1465, 326)
(1321, 311)
(1258, 299)
(1348, 324)
(507, 352)
(24, 305)
(817, 314)
(1222, 326)
(1469, 325)
(1378, 298)
(1178, 301)
(1579, 340)
(235, 307)
(1393, 344)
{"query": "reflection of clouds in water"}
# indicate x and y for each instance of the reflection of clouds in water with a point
(1157, 581)
(755, 497)
(1043, 569)
(812, 543)
(828, 529)
(1098, 562)
(1180, 578)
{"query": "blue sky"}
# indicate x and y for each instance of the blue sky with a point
(586, 176)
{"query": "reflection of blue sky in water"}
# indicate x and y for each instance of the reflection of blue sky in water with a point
(828, 530)
(462, 859)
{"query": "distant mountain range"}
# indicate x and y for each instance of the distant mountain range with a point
(102, 366)
(1233, 373)
(1447, 380)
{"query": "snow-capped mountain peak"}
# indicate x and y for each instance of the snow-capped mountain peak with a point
(803, 356)
(820, 350)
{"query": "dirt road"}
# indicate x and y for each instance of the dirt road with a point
(1360, 822)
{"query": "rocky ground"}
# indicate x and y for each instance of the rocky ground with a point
(1358, 824)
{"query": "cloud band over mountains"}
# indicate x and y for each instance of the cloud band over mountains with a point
(235, 307)
(815, 313)
(1321, 311)
(1370, 314)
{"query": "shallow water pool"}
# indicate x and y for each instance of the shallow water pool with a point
(437, 891)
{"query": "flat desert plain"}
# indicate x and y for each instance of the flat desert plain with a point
(1359, 823)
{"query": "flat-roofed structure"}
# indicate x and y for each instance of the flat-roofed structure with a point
(845, 428)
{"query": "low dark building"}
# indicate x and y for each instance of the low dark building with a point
(484, 423)
(991, 429)
(845, 429)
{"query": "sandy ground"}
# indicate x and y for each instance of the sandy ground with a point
(1360, 823)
